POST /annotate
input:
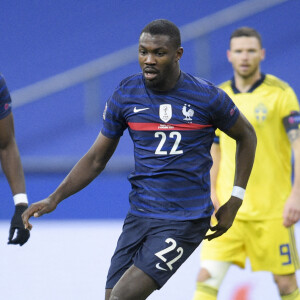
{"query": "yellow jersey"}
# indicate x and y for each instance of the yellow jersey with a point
(265, 106)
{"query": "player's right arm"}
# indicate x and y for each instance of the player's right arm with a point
(13, 170)
(87, 169)
(244, 135)
(216, 157)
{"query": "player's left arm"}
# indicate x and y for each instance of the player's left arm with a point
(244, 135)
(291, 213)
(13, 170)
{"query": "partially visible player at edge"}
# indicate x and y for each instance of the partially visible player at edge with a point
(171, 117)
(12, 167)
(263, 228)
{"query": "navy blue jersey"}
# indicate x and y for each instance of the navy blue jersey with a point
(5, 101)
(172, 134)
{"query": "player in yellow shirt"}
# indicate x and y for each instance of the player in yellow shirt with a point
(263, 229)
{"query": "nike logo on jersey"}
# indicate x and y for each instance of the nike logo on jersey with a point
(136, 110)
(160, 268)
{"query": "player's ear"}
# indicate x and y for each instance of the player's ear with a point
(228, 55)
(179, 53)
(262, 54)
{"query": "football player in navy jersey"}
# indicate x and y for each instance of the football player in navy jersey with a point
(12, 167)
(171, 117)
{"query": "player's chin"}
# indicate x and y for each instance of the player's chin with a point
(152, 83)
(245, 73)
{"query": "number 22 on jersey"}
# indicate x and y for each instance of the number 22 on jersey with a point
(173, 135)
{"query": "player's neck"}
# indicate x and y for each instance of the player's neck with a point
(244, 84)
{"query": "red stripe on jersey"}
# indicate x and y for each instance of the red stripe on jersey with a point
(158, 126)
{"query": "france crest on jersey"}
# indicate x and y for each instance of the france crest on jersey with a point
(172, 134)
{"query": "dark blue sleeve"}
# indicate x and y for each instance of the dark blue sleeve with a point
(216, 139)
(114, 122)
(292, 121)
(5, 100)
(223, 111)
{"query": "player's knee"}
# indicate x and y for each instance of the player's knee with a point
(203, 275)
(286, 283)
(213, 272)
(107, 294)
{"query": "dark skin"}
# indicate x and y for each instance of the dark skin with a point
(9, 155)
(159, 61)
(12, 168)
(244, 135)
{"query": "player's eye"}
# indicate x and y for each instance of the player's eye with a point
(160, 53)
(142, 51)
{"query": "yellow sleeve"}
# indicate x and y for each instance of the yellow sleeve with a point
(289, 102)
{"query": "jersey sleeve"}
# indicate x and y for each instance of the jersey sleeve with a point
(5, 100)
(114, 123)
(289, 110)
(224, 111)
(289, 102)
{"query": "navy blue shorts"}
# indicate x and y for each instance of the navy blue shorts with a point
(157, 247)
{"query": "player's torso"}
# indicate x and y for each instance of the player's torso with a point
(168, 129)
(269, 183)
(172, 134)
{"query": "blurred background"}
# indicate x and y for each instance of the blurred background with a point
(61, 61)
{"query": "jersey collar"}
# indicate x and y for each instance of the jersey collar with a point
(254, 86)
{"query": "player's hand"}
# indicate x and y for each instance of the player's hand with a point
(225, 216)
(291, 212)
(16, 225)
(37, 209)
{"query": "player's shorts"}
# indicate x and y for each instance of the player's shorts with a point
(157, 247)
(268, 245)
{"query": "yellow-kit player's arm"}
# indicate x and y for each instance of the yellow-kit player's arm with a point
(216, 156)
(291, 213)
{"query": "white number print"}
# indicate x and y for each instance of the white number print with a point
(160, 254)
(172, 135)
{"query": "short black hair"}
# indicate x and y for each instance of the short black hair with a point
(164, 27)
(248, 32)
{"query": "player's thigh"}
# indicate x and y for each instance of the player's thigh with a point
(272, 247)
(130, 240)
(229, 247)
(168, 246)
(133, 285)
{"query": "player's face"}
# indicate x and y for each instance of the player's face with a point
(159, 61)
(245, 55)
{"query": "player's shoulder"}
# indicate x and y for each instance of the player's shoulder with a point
(2, 79)
(196, 80)
(276, 83)
(131, 85)
(200, 83)
(131, 81)
(226, 85)
(3, 86)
